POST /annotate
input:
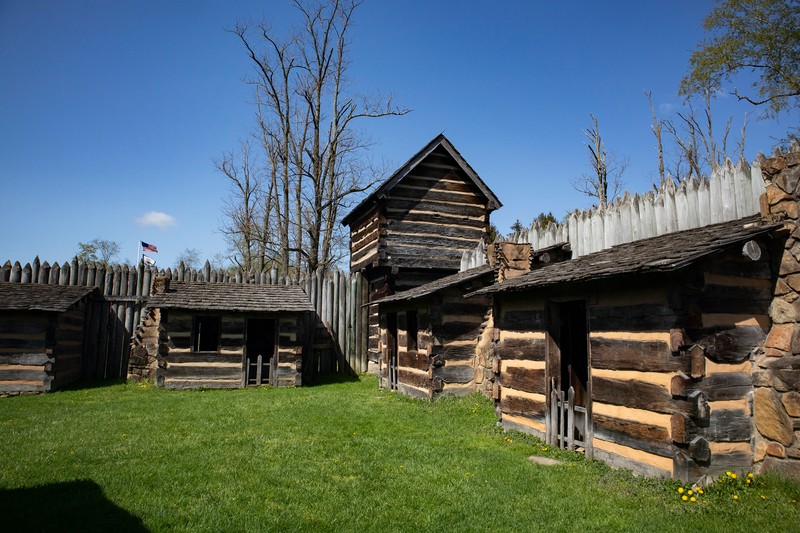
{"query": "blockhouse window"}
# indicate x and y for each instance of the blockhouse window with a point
(411, 330)
(205, 334)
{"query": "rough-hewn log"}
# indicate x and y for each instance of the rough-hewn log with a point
(412, 378)
(723, 425)
(522, 320)
(636, 394)
(204, 358)
(717, 387)
(532, 349)
(645, 356)
(644, 437)
(723, 298)
(731, 345)
(201, 372)
(413, 359)
(641, 317)
(524, 379)
(518, 405)
(454, 373)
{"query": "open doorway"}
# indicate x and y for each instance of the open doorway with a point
(568, 390)
(259, 349)
(391, 349)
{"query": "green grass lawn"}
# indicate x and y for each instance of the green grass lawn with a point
(338, 457)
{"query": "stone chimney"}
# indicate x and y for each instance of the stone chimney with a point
(776, 372)
(160, 285)
(150, 340)
(512, 259)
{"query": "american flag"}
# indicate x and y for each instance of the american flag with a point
(149, 247)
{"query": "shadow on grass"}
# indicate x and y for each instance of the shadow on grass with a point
(94, 384)
(332, 379)
(70, 506)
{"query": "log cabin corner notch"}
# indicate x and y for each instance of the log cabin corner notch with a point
(226, 336)
(415, 227)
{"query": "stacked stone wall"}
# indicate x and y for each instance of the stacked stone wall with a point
(776, 374)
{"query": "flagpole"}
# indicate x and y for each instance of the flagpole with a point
(138, 253)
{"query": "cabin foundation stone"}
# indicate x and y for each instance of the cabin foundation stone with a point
(776, 374)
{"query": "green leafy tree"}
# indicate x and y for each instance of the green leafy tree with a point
(545, 219)
(98, 251)
(759, 36)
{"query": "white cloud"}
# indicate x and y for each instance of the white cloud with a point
(156, 218)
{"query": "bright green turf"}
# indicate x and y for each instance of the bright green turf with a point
(343, 456)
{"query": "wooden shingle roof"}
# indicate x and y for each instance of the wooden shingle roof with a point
(199, 296)
(665, 253)
(400, 173)
(439, 284)
(35, 297)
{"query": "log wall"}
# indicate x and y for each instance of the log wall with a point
(444, 362)
(40, 351)
(670, 368)
(432, 217)
(179, 367)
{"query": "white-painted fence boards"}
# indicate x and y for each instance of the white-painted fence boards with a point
(732, 192)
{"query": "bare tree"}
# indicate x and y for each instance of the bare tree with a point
(190, 257)
(657, 128)
(699, 149)
(313, 157)
(607, 169)
(246, 209)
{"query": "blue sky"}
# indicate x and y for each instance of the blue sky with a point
(113, 110)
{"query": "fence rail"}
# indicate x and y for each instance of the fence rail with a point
(336, 296)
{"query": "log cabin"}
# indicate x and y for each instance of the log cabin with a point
(642, 354)
(429, 336)
(41, 336)
(414, 228)
(217, 335)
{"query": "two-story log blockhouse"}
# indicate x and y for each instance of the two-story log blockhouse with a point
(414, 228)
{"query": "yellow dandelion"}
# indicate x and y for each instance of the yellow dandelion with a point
(690, 492)
(733, 476)
(699, 491)
(748, 481)
(728, 473)
(763, 497)
(680, 490)
(735, 496)
(692, 499)
(684, 497)
(750, 475)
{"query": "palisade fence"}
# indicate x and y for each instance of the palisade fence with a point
(124, 291)
(732, 192)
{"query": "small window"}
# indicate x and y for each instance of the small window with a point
(411, 331)
(205, 334)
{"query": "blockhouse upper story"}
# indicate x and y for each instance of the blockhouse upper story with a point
(424, 216)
